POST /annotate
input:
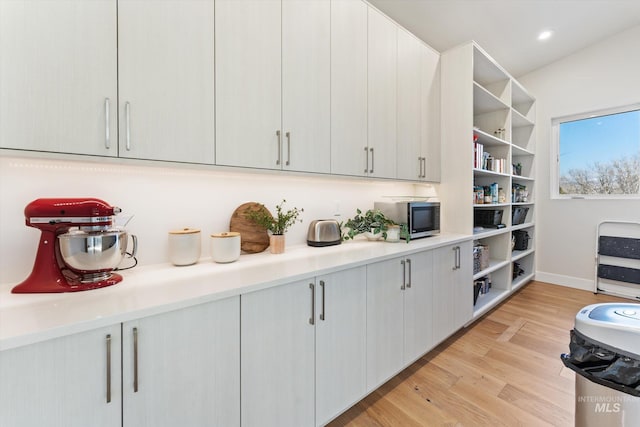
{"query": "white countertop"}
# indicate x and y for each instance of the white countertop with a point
(149, 290)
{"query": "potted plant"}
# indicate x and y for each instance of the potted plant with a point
(373, 224)
(277, 225)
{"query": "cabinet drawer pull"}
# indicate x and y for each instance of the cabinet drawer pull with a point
(372, 161)
(409, 268)
(127, 119)
(107, 124)
(135, 360)
(366, 155)
(458, 257)
(322, 288)
(404, 275)
(108, 368)
(312, 319)
(279, 147)
(288, 135)
(424, 167)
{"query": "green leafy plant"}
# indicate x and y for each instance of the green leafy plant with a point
(373, 221)
(276, 225)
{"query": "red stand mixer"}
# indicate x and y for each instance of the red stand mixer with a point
(79, 246)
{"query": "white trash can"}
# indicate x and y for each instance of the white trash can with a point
(605, 354)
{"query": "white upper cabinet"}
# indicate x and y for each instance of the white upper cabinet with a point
(248, 83)
(273, 84)
(166, 79)
(430, 115)
(418, 110)
(410, 163)
(58, 82)
(306, 85)
(349, 150)
(382, 85)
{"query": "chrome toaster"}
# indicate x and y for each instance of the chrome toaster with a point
(324, 232)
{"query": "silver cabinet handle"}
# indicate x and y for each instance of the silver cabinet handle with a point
(312, 319)
(372, 161)
(409, 268)
(288, 135)
(107, 124)
(135, 360)
(108, 368)
(127, 119)
(423, 167)
(322, 288)
(279, 147)
(457, 257)
(404, 275)
(366, 154)
(419, 167)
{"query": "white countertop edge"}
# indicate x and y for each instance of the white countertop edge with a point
(146, 291)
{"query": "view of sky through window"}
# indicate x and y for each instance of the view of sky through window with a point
(600, 154)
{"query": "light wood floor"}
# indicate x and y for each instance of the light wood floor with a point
(504, 370)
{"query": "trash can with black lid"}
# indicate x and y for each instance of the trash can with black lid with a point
(605, 354)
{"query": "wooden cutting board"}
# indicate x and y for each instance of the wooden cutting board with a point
(253, 238)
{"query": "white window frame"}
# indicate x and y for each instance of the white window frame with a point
(555, 154)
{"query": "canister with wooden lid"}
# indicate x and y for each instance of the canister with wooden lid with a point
(184, 246)
(225, 247)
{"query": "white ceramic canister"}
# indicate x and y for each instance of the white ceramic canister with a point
(225, 247)
(184, 246)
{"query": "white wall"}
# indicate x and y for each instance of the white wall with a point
(604, 75)
(164, 198)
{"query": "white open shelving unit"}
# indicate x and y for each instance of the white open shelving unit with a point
(480, 98)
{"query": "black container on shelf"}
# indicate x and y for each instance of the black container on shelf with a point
(519, 215)
(521, 240)
(487, 217)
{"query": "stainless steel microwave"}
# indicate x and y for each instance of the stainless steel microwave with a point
(422, 218)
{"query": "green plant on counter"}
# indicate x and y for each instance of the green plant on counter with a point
(276, 225)
(373, 221)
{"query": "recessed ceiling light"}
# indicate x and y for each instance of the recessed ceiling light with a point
(545, 35)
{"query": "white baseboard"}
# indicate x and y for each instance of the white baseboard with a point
(568, 281)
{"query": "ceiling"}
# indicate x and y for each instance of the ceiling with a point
(508, 29)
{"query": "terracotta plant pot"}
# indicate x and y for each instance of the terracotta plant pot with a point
(276, 243)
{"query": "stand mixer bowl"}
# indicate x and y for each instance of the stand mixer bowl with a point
(93, 253)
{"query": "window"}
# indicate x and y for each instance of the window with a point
(598, 154)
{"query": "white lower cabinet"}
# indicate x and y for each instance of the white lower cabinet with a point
(72, 381)
(452, 292)
(341, 324)
(399, 325)
(303, 350)
(183, 369)
(277, 359)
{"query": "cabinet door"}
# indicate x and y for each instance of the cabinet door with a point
(384, 321)
(463, 280)
(63, 382)
(341, 331)
(430, 113)
(409, 107)
(248, 83)
(277, 360)
(165, 78)
(452, 289)
(418, 306)
(188, 367)
(349, 87)
(58, 76)
(306, 85)
(382, 100)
